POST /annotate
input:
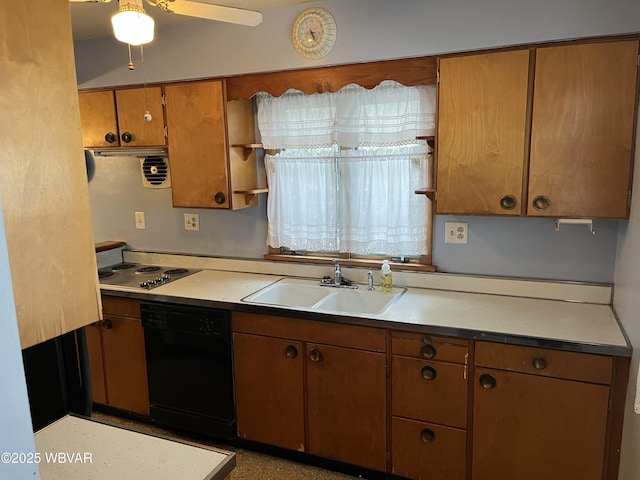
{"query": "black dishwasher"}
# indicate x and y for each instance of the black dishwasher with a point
(189, 365)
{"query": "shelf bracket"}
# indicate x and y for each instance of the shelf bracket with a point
(575, 221)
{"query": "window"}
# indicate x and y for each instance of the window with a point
(346, 169)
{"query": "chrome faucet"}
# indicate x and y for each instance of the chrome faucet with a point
(337, 273)
(370, 280)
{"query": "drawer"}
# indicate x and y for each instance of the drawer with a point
(328, 333)
(123, 307)
(425, 451)
(430, 347)
(541, 361)
(429, 391)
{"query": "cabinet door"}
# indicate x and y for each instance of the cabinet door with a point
(132, 104)
(346, 392)
(482, 110)
(532, 427)
(125, 364)
(96, 365)
(582, 130)
(198, 144)
(99, 121)
(268, 374)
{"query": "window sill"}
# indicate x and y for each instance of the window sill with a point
(349, 262)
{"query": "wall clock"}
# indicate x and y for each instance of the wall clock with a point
(314, 33)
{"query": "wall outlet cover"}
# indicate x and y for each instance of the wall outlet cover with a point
(455, 232)
(192, 221)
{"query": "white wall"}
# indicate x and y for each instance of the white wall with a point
(16, 430)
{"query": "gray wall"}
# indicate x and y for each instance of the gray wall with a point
(367, 30)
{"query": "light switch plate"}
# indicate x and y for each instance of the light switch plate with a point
(140, 223)
(455, 232)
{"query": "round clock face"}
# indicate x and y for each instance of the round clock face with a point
(314, 33)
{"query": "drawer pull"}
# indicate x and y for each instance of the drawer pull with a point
(429, 373)
(427, 436)
(541, 203)
(107, 324)
(428, 351)
(315, 355)
(487, 381)
(291, 351)
(539, 363)
(508, 202)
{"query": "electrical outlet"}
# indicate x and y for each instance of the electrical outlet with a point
(455, 232)
(140, 225)
(191, 221)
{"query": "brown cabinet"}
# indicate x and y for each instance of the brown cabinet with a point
(325, 382)
(429, 406)
(539, 413)
(207, 170)
(117, 118)
(541, 132)
(117, 357)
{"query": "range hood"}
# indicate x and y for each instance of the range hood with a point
(131, 152)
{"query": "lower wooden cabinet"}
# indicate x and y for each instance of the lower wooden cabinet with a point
(117, 357)
(317, 387)
(531, 422)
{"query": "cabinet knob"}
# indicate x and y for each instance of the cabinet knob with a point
(126, 137)
(315, 355)
(508, 202)
(110, 137)
(428, 351)
(539, 363)
(107, 325)
(429, 373)
(291, 351)
(487, 381)
(220, 198)
(541, 203)
(427, 435)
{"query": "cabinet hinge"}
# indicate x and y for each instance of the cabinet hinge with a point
(164, 100)
(628, 198)
(386, 369)
(166, 132)
(438, 76)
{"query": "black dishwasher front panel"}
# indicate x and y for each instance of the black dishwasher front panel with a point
(189, 364)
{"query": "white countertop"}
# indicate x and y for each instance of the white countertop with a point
(74, 448)
(482, 315)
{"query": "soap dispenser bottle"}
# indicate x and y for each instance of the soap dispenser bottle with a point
(386, 285)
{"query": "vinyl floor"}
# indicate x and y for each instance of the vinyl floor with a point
(249, 465)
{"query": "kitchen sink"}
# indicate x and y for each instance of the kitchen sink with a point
(310, 295)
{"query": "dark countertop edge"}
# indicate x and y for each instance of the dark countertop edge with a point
(541, 342)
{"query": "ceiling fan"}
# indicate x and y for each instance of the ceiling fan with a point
(197, 9)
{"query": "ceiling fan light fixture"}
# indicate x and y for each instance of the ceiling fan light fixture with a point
(132, 25)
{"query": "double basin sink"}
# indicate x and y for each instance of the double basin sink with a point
(310, 295)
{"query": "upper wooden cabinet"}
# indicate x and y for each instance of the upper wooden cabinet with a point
(548, 137)
(582, 132)
(207, 170)
(117, 118)
(482, 114)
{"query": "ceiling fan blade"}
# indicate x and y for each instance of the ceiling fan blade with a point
(240, 16)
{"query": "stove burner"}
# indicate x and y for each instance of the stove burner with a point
(124, 266)
(103, 274)
(149, 269)
(176, 271)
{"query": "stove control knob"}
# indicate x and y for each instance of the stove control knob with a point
(166, 278)
(144, 285)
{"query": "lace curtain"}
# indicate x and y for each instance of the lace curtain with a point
(358, 198)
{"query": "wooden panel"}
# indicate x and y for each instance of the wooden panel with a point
(243, 169)
(447, 349)
(444, 458)
(346, 405)
(583, 127)
(125, 364)
(197, 144)
(482, 110)
(124, 307)
(442, 399)
(410, 71)
(131, 105)
(43, 186)
(269, 390)
(353, 336)
(531, 427)
(98, 116)
(96, 365)
(570, 365)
